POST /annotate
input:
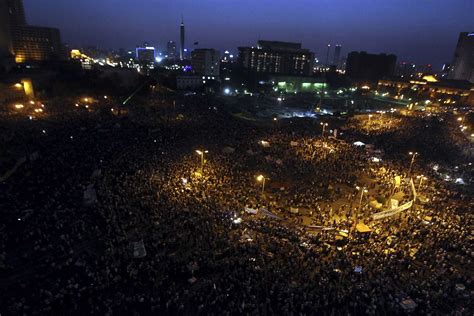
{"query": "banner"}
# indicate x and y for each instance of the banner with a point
(266, 212)
(392, 212)
(251, 210)
(396, 181)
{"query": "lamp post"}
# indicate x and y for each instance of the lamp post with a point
(324, 125)
(262, 179)
(413, 156)
(362, 191)
(201, 153)
(370, 116)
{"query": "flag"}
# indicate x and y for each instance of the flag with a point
(397, 181)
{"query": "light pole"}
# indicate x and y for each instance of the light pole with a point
(370, 116)
(201, 153)
(413, 156)
(324, 125)
(362, 191)
(262, 179)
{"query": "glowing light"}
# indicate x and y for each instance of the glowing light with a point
(227, 91)
(18, 85)
(19, 106)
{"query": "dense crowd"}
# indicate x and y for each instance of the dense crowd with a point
(167, 236)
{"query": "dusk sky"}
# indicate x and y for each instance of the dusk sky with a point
(422, 31)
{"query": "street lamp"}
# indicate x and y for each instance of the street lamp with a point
(262, 179)
(413, 156)
(324, 125)
(362, 191)
(370, 116)
(422, 177)
(201, 153)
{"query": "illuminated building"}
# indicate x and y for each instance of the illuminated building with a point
(182, 38)
(146, 54)
(364, 66)
(206, 62)
(32, 43)
(171, 50)
(291, 84)
(26, 43)
(277, 58)
(463, 63)
(445, 92)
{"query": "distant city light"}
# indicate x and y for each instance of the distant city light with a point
(227, 91)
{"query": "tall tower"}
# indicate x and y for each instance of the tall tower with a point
(337, 55)
(181, 49)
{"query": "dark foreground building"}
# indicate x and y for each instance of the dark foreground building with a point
(372, 67)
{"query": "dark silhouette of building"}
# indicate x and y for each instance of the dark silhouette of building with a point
(171, 50)
(337, 55)
(277, 58)
(26, 43)
(182, 37)
(463, 63)
(364, 66)
(206, 62)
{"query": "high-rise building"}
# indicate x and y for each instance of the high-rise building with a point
(277, 58)
(171, 50)
(182, 38)
(337, 55)
(364, 66)
(16, 13)
(206, 62)
(27, 43)
(463, 63)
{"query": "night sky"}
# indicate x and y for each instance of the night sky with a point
(422, 31)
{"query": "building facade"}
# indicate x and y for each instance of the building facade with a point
(277, 58)
(364, 66)
(33, 43)
(463, 63)
(206, 62)
(441, 92)
(146, 54)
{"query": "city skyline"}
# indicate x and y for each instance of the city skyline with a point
(416, 37)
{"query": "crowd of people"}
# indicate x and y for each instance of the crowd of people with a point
(170, 232)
